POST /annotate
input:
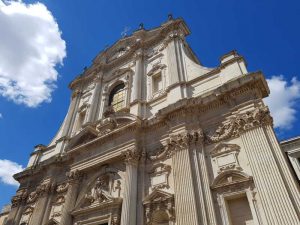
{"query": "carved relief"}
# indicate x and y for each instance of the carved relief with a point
(241, 123)
(159, 176)
(225, 157)
(62, 187)
(19, 197)
(131, 156)
(27, 214)
(159, 202)
(100, 192)
(177, 142)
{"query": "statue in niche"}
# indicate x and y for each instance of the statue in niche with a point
(100, 191)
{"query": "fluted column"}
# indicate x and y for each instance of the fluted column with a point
(128, 215)
(48, 204)
(276, 202)
(141, 188)
(185, 198)
(39, 210)
(74, 178)
(203, 193)
(17, 206)
(291, 183)
(95, 100)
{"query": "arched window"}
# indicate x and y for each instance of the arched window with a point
(117, 97)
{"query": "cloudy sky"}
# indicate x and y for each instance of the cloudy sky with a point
(45, 44)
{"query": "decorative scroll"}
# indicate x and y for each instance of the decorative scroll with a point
(178, 142)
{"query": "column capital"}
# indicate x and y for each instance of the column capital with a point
(74, 176)
(131, 156)
(19, 198)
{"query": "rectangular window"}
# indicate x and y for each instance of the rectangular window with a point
(239, 211)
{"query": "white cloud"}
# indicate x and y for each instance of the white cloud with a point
(1, 116)
(30, 48)
(7, 170)
(282, 101)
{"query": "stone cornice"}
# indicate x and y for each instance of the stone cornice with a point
(215, 98)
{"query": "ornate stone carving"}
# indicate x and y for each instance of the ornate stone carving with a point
(74, 175)
(19, 197)
(159, 176)
(225, 157)
(100, 191)
(159, 201)
(131, 156)
(62, 187)
(33, 196)
(241, 123)
(178, 142)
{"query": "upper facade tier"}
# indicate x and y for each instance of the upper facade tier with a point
(140, 78)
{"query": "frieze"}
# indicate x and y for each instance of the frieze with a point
(241, 123)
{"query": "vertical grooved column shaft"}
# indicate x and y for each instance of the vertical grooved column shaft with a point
(206, 192)
(39, 210)
(273, 192)
(70, 200)
(285, 170)
(185, 202)
(128, 215)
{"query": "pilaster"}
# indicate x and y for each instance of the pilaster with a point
(128, 215)
(185, 196)
(95, 99)
(42, 191)
(74, 178)
(203, 193)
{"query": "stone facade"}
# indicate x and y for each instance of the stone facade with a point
(292, 149)
(152, 137)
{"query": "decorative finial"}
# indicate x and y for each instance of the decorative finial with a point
(141, 27)
(170, 16)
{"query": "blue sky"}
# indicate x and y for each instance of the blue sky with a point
(266, 33)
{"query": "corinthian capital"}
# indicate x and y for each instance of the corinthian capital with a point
(131, 156)
(74, 176)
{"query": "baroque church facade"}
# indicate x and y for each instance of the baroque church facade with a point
(152, 137)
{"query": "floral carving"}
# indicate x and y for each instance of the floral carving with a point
(19, 197)
(62, 187)
(32, 197)
(241, 123)
(74, 175)
(178, 142)
(131, 155)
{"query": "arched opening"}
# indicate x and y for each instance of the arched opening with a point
(117, 97)
(160, 217)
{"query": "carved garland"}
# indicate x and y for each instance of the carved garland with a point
(176, 143)
(241, 123)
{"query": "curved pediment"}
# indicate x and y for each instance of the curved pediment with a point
(230, 177)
